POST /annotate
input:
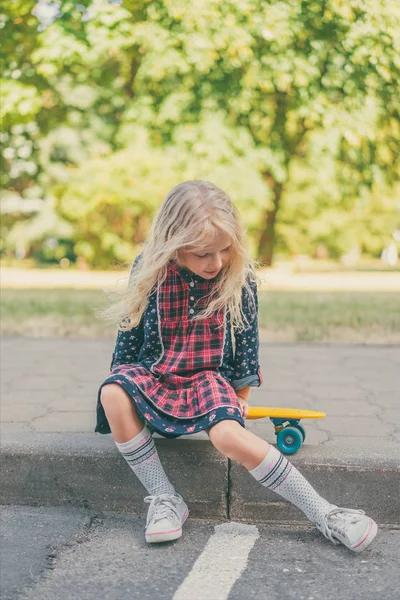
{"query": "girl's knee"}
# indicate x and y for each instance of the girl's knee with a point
(121, 413)
(236, 443)
(113, 396)
(225, 434)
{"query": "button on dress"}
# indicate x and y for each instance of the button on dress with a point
(178, 371)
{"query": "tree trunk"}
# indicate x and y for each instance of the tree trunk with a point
(266, 245)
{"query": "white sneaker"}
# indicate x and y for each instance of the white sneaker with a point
(351, 527)
(166, 515)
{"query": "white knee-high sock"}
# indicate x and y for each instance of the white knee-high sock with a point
(279, 475)
(141, 455)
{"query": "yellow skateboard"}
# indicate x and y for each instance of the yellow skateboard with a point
(289, 433)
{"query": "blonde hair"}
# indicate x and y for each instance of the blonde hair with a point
(190, 215)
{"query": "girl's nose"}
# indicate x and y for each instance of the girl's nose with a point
(216, 263)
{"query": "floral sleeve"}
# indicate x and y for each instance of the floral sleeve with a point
(246, 362)
(128, 343)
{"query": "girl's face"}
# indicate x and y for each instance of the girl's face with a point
(208, 262)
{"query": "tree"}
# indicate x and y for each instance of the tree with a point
(284, 71)
(111, 200)
(309, 92)
(63, 89)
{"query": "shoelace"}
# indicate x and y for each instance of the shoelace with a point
(162, 506)
(342, 518)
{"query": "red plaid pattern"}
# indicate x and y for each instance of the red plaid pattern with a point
(185, 382)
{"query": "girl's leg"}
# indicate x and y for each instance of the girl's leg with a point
(167, 511)
(270, 468)
(134, 440)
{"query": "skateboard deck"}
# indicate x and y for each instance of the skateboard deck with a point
(259, 412)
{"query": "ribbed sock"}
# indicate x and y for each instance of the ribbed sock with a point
(141, 455)
(278, 474)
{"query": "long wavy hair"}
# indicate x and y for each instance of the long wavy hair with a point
(190, 215)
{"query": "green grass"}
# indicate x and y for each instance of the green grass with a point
(331, 316)
(48, 312)
(283, 316)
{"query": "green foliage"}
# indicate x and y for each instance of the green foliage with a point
(44, 236)
(292, 106)
(284, 71)
(110, 201)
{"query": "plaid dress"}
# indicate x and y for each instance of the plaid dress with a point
(178, 385)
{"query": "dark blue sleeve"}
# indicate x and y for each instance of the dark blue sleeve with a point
(246, 361)
(128, 343)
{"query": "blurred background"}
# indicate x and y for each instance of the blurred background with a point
(292, 107)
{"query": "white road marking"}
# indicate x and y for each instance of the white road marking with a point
(221, 563)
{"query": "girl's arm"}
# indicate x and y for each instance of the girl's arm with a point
(246, 363)
(128, 343)
(127, 346)
(243, 395)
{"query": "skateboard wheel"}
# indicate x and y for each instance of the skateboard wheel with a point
(301, 429)
(289, 440)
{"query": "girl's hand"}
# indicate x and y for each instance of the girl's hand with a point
(244, 407)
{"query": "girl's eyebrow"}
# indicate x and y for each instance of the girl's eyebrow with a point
(205, 251)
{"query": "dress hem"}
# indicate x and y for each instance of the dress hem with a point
(162, 423)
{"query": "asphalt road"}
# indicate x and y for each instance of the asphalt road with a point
(68, 554)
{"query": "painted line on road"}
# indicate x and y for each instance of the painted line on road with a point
(221, 563)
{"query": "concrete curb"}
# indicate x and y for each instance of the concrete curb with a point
(84, 470)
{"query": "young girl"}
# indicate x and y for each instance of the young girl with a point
(186, 356)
